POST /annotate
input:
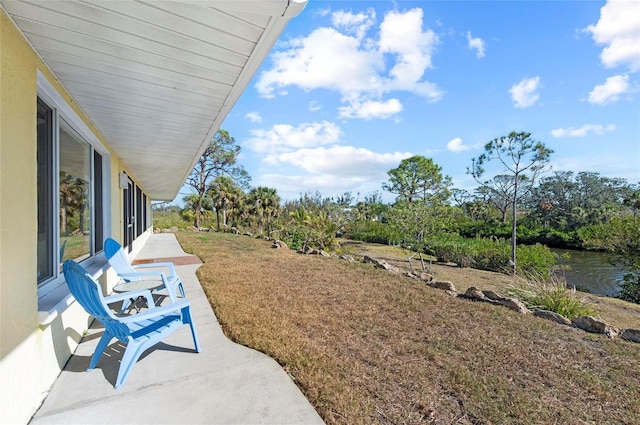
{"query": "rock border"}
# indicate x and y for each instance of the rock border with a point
(586, 323)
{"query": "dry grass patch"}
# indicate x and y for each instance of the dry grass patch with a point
(614, 311)
(366, 346)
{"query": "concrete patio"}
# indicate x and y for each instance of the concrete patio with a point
(172, 384)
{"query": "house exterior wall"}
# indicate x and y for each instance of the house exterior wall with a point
(32, 353)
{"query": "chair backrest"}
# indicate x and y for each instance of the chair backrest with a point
(117, 257)
(89, 294)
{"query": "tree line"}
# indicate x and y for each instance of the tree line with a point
(519, 201)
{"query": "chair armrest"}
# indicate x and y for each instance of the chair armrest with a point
(139, 275)
(155, 312)
(168, 265)
(131, 294)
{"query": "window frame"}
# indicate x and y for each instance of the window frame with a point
(61, 110)
(138, 211)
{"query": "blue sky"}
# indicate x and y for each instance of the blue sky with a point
(352, 88)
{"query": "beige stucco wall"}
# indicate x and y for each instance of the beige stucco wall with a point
(31, 354)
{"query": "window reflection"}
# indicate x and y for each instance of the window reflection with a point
(75, 195)
(45, 193)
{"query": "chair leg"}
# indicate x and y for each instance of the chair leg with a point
(131, 355)
(102, 345)
(181, 288)
(186, 318)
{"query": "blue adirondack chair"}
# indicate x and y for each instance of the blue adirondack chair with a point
(120, 263)
(138, 331)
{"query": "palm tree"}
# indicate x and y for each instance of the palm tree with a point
(196, 205)
(265, 203)
(225, 194)
(72, 201)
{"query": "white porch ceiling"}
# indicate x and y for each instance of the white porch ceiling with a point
(157, 78)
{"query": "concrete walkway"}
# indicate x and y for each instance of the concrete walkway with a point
(171, 384)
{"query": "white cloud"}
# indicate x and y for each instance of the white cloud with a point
(314, 106)
(329, 170)
(619, 29)
(610, 91)
(456, 145)
(357, 24)
(253, 117)
(290, 187)
(324, 12)
(401, 34)
(361, 68)
(525, 93)
(349, 161)
(371, 109)
(476, 44)
(326, 59)
(285, 137)
(582, 131)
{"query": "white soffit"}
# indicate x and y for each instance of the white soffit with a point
(157, 78)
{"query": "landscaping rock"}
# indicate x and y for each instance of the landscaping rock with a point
(282, 244)
(445, 285)
(492, 295)
(427, 277)
(347, 258)
(275, 245)
(381, 264)
(632, 335)
(235, 231)
(173, 229)
(367, 259)
(553, 316)
(593, 325)
(213, 229)
(248, 234)
(474, 293)
(410, 275)
(390, 268)
(323, 253)
(514, 304)
(192, 229)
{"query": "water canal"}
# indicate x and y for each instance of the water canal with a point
(591, 271)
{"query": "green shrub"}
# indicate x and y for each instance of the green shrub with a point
(371, 231)
(536, 260)
(630, 290)
(169, 218)
(295, 236)
(552, 294)
(491, 254)
(559, 238)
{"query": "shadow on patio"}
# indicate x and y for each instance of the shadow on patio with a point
(226, 383)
